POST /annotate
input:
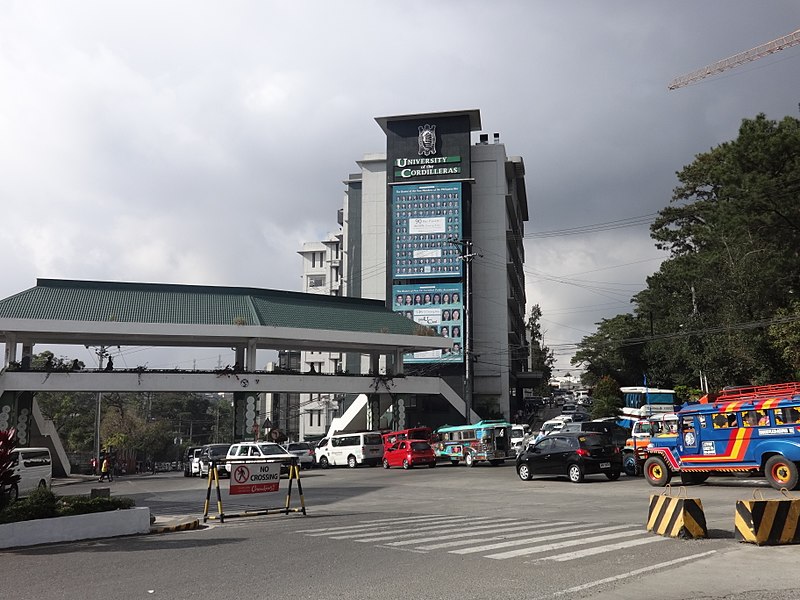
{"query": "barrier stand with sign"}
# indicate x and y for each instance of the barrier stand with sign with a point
(255, 476)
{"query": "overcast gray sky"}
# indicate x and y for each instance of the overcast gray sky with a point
(198, 142)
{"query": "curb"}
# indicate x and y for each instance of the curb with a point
(187, 526)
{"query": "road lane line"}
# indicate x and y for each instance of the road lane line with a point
(382, 525)
(634, 573)
(403, 533)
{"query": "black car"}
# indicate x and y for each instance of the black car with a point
(215, 453)
(573, 455)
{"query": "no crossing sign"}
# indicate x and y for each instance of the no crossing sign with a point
(255, 477)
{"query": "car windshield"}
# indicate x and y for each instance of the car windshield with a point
(299, 446)
(270, 449)
(221, 451)
(420, 446)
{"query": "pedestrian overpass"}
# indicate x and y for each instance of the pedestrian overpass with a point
(94, 313)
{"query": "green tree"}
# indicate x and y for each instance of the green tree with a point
(542, 358)
(733, 233)
(607, 398)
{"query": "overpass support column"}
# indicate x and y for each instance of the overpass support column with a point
(11, 349)
(250, 364)
(240, 356)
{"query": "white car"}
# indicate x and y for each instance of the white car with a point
(518, 433)
(252, 451)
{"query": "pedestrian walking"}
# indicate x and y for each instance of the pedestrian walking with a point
(93, 462)
(105, 470)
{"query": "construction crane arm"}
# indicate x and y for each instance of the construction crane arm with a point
(787, 41)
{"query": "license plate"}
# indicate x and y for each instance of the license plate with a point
(605, 465)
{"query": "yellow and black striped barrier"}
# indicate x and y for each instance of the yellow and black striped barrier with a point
(677, 516)
(768, 522)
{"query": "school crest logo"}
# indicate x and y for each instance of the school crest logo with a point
(427, 140)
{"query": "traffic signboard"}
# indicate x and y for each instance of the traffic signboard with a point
(255, 477)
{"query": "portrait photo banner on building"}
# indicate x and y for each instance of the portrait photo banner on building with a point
(439, 306)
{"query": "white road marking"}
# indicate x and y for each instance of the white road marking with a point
(504, 534)
(381, 525)
(403, 533)
(634, 573)
(600, 549)
(545, 538)
(559, 545)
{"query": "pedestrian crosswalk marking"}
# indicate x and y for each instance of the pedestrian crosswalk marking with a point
(559, 545)
(503, 534)
(442, 530)
(600, 549)
(370, 525)
(545, 538)
(491, 537)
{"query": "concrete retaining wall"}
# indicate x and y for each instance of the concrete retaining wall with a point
(79, 527)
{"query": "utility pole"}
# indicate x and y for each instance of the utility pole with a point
(467, 255)
(101, 354)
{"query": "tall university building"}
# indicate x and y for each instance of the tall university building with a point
(434, 227)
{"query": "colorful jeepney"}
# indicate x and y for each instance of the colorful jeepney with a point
(741, 430)
(488, 440)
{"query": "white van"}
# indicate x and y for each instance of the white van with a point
(351, 449)
(35, 469)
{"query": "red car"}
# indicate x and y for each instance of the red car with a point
(409, 453)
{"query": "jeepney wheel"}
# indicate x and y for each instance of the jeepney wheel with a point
(629, 465)
(656, 471)
(469, 460)
(385, 464)
(781, 472)
(524, 472)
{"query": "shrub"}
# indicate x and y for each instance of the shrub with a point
(43, 504)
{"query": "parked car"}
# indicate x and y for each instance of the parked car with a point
(35, 469)
(214, 453)
(304, 451)
(191, 461)
(250, 451)
(409, 453)
(573, 455)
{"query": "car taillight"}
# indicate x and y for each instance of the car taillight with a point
(582, 452)
(311, 452)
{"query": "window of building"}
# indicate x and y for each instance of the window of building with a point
(315, 281)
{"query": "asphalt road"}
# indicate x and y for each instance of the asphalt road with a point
(444, 533)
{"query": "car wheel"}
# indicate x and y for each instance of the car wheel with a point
(406, 464)
(323, 462)
(575, 473)
(629, 465)
(385, 464)
(656, 471)
(524, 472)
(42, 484)
(351, 462)
(613, 475)
(781, 472)
(13, 494)
(469, 460)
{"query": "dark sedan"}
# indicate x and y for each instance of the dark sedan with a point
(573, 455)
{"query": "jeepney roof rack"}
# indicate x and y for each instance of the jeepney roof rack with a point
(753, 393)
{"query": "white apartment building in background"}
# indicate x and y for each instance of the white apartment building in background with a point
(322, 274)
